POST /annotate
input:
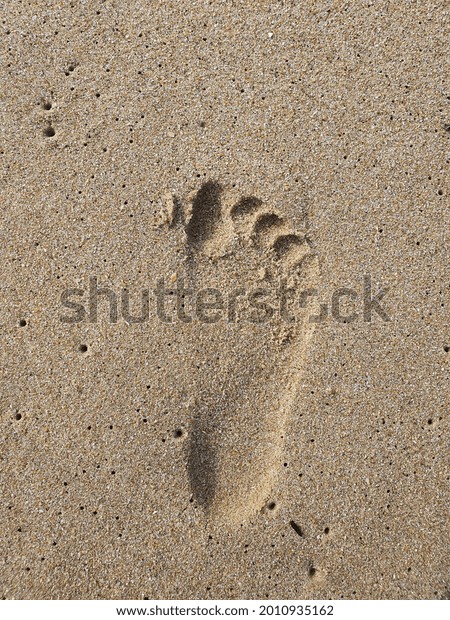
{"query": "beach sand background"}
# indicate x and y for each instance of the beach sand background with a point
(336, 116)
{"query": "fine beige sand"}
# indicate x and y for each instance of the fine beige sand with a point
(236, 168)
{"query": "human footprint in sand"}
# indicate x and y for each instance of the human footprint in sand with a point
(244, 365)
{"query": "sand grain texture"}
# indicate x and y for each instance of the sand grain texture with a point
(222, 143)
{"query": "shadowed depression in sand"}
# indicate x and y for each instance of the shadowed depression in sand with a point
(234, 444)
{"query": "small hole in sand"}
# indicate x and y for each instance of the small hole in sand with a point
(47, 105)
(311, 571)
(446, 348)
(49, 132)
(178, 433)
(430, 421)
(327, 530)
(18, 416)
(271, 506)
(22, 323)
(83, 348)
